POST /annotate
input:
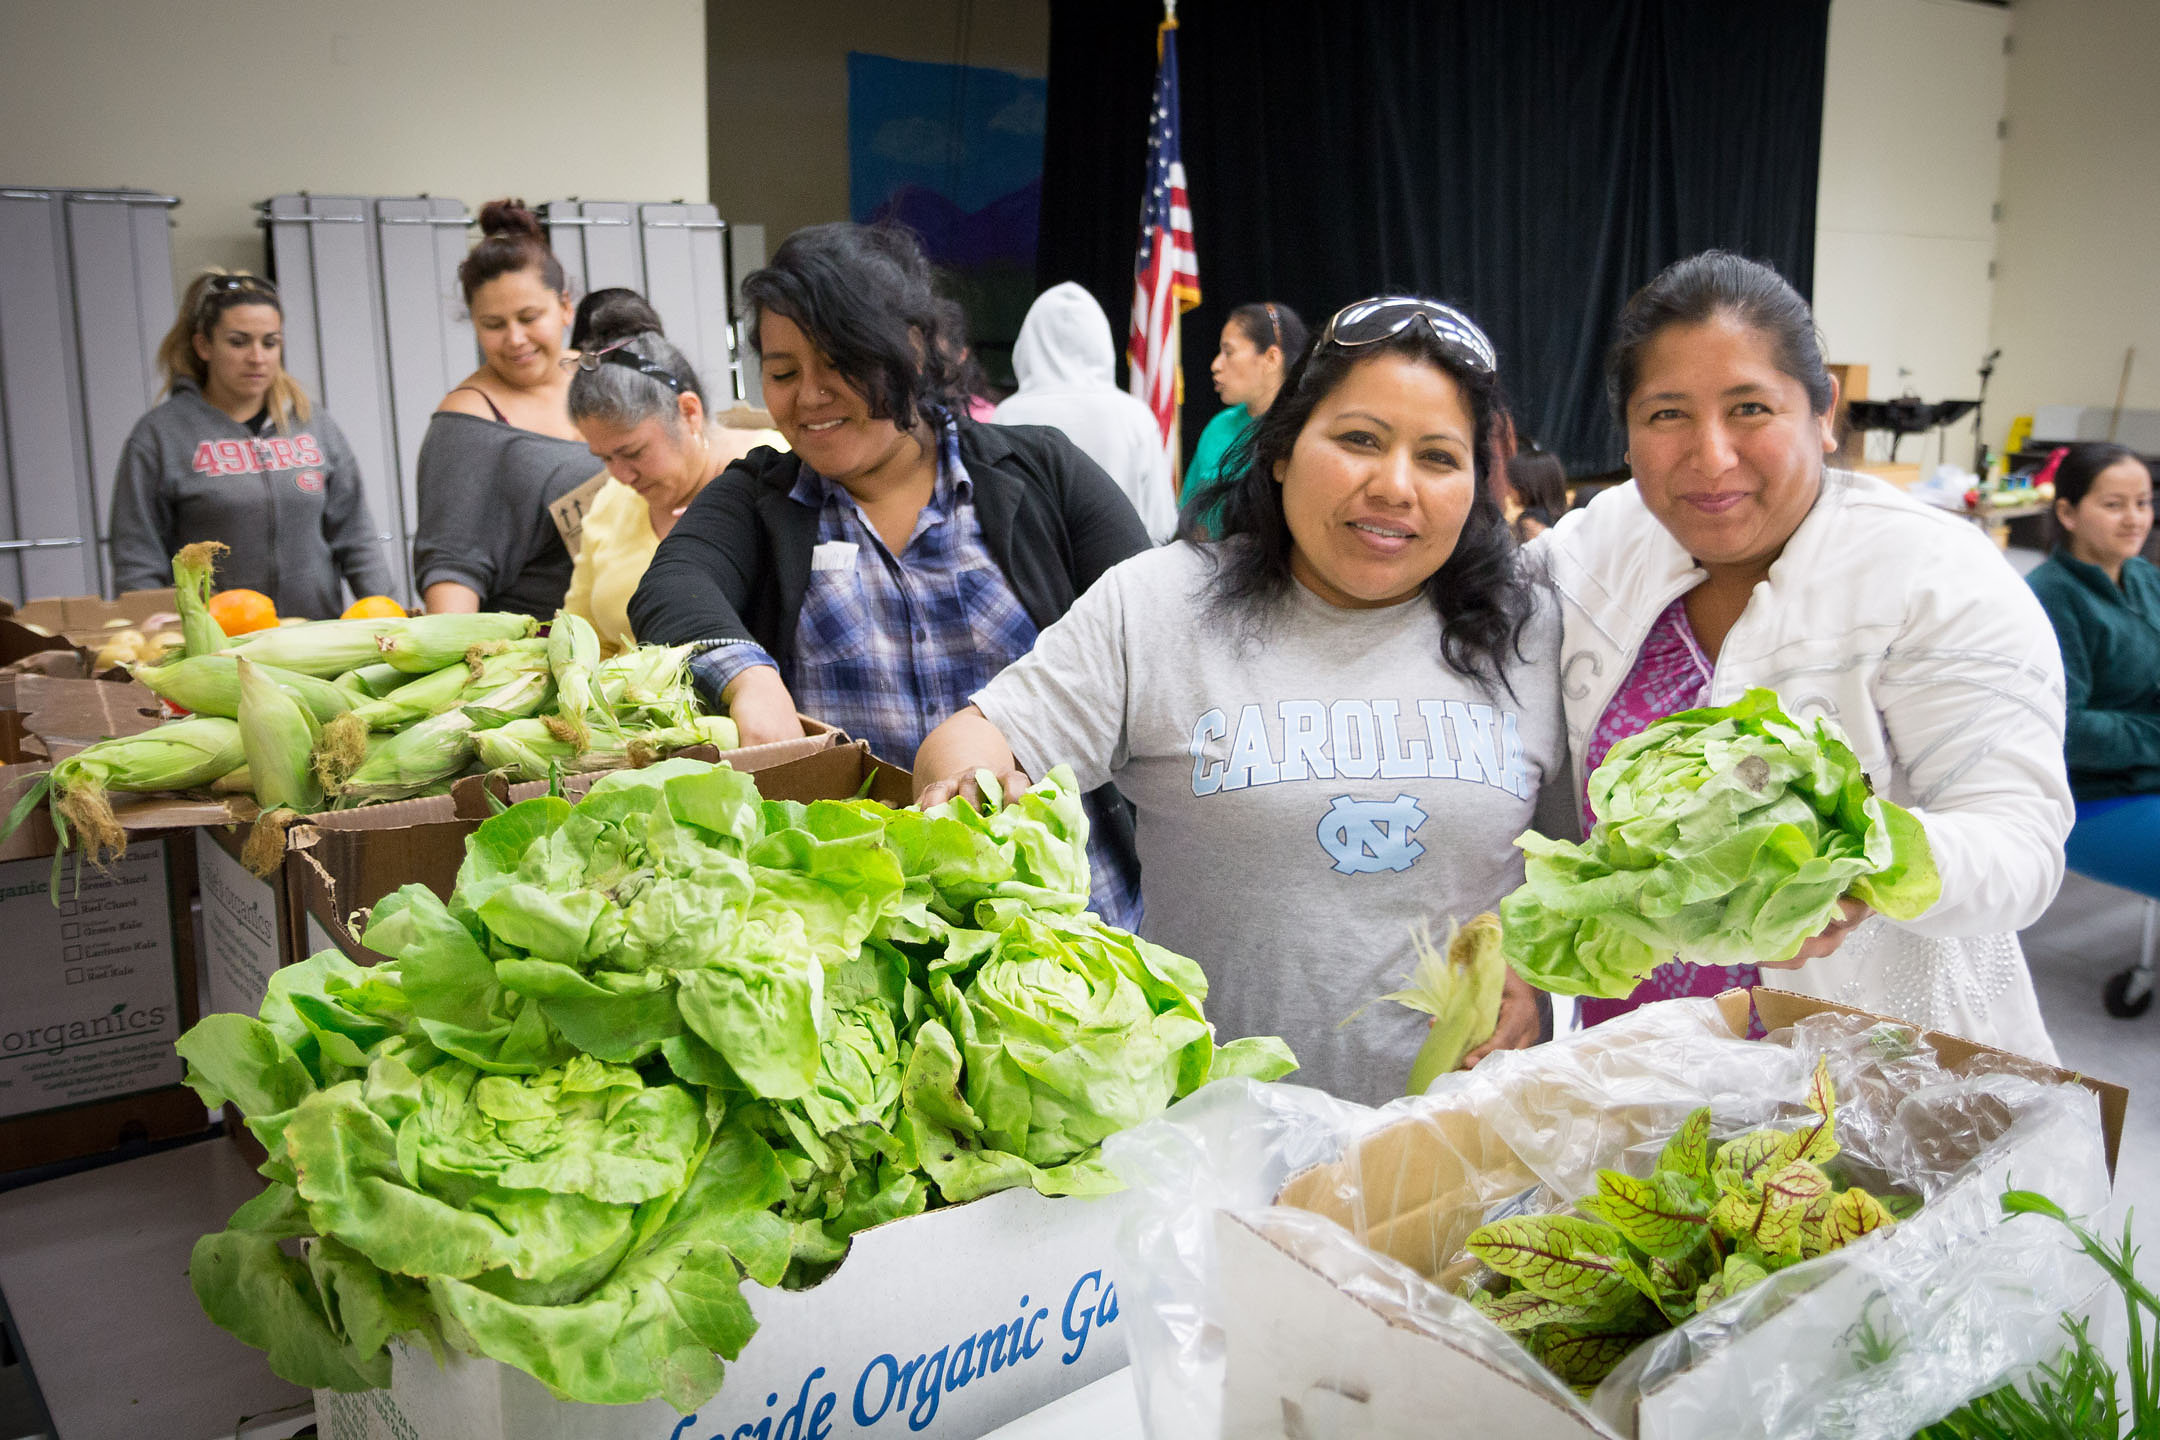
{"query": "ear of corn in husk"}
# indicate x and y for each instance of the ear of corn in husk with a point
(192, 569)
(278, 736)
(411, 761)
(179, 755)
(424, 696)
(321, 647)
(210, 685)
(514, 699)
(650, 686)
(429, 642)
(1460, 988)
(574, 659)
(375, 680)
(533, 749)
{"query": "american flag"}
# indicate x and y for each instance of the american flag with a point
(1166, 276)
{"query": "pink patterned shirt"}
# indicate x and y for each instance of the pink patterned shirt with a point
(1670, 674)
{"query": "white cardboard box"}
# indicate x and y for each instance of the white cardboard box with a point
(89, 995)
(240, 926)
(1316, 1340)
(945, 1325)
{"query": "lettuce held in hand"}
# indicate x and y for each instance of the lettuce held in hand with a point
(1725, 836)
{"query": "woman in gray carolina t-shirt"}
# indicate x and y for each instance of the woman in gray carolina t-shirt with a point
(1331, 723)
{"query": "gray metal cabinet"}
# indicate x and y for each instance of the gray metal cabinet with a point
(86, 293)
(683, 258)
(375, 330)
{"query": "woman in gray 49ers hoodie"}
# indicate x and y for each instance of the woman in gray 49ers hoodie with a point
(236, 455)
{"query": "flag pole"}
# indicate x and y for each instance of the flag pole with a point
(1177, 331)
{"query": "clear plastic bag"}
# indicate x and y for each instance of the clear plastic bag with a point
(1876, 1340)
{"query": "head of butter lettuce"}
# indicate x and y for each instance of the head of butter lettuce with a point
(1725, 836)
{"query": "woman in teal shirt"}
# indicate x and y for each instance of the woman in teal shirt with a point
(1259, 342)
(2105, 602)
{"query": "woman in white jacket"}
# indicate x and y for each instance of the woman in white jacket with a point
(1737, 558)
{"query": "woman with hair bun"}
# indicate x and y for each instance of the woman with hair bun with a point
(642, 410)
(501, 448)
(237, 454)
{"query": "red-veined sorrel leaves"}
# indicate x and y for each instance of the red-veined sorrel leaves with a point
(1558, 1257)
(1688, 1152)
(1707, 1223)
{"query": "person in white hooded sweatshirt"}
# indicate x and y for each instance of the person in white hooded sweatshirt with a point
(1064, 363)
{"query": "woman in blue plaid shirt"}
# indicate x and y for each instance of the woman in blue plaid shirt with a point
(901, 555)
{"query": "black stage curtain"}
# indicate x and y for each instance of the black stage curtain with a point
(1533, 161)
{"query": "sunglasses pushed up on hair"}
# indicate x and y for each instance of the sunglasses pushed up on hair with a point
(619, 353)
(1368, 322)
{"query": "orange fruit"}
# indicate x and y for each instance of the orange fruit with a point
(238, 612)
(374, 607)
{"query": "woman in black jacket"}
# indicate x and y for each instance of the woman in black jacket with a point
(900, 555)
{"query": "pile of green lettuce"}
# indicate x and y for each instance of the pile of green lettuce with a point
(665, 1038)
(1725, 836)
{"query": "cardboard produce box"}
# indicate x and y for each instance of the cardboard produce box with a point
(945, 1325)
(94, 989)
(1329, 1336)
(80, 618)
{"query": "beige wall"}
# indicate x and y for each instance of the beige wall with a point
(1905, 231)
(225, 102)
(2079, 273)
(779, 88)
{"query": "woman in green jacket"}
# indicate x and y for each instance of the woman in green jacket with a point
(1260, 342)
(2105, 602)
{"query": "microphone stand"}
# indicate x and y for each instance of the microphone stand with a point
(1980, 449)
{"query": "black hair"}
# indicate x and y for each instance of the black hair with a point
(511, 239)
(1539, 480)
(1484, 593)
(953, 337)
(1271, 323)
(619, 309)
(1702, 287)
(863, 295)
(2080, 465)
(626, 395)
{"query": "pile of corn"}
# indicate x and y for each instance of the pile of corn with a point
(332, 714)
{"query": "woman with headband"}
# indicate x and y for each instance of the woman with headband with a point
(639, 404)
(238, 454)
(1260, 342)
(1346, 708)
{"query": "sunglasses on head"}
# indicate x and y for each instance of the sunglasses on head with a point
(619, 354)
(1368, 322)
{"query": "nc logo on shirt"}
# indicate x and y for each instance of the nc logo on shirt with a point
(1366, 837)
